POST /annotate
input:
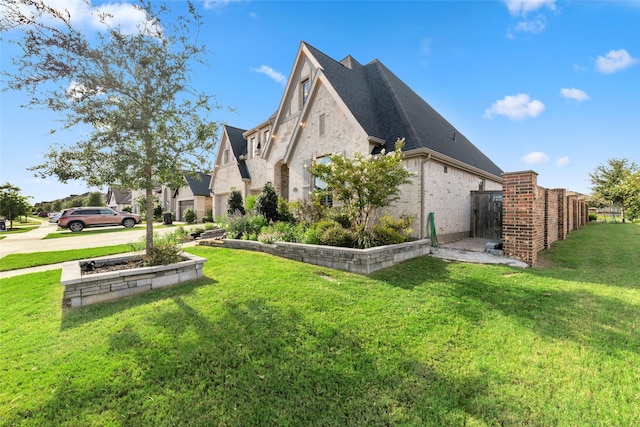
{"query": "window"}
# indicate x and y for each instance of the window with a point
(322, 124)
(446, 170)
(304, 91)
(226, 156)
(252, 152)
(481, 184)
(320, 185)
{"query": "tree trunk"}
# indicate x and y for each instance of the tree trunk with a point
(149, 219)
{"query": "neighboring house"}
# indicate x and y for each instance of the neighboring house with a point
(195, 194)
(119, 198)
(331, 106)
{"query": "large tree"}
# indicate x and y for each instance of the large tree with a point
(130, 86)
(12, 203)
(613, 183)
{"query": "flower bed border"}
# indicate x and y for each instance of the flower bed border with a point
(90, 289)
(360, 261)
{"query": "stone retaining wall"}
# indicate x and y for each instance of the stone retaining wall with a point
(81, 290)
(361, 261)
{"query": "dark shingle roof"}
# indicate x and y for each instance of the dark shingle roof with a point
(389, 109)
(239, 147)
(199, 183)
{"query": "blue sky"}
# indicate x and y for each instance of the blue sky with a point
(544, 85)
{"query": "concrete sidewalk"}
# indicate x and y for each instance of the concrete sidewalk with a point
(472, 250)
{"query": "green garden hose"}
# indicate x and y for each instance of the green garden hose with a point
(431, 226)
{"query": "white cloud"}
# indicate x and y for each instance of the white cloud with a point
(516, 107)
(273, 74)
(128, 17)
(523, 7)
(573, 93)
(615, 60)
(218, 4)
(535, 157)
(563, 161)
(533, 26)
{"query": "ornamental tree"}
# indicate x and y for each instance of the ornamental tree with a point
(129, 86)
(363, 184)
(12, 203)
(614, 183)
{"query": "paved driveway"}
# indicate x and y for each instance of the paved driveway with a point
(31, 241)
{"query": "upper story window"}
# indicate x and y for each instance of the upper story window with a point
(481, 184)
(226, 156)
(304, 91)
(252, 151)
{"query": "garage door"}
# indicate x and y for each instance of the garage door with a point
(183, 205)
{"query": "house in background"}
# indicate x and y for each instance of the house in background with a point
(119, 199)
(195, 194)
(331, 106)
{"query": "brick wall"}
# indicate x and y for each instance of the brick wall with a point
(534, 217)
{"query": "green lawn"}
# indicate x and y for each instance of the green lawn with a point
(267, 341)
(17, 261)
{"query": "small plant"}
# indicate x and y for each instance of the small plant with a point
(166, 248)
(189, 216)
(284, 213)
(126, 209)
(250, 202)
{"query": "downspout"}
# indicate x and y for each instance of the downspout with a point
(423, 222)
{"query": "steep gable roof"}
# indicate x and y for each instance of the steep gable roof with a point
(388, 109)
(239, 147)
(199, 183)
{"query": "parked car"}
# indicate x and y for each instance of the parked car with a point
(55, 216)
(43, 214)
(77, 219)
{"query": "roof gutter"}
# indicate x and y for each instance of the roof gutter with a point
(431, 154)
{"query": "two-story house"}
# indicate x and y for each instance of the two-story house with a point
(331, 106)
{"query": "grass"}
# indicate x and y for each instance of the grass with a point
(268, 341)
(34, 259)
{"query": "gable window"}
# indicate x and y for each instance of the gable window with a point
(254, 147)
(322, 124)
(481, 184)
(226, 156)
(304, 91)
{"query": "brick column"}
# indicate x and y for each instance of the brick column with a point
(522, 223)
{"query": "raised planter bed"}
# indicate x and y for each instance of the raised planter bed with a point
(86, 289)
(361, 261)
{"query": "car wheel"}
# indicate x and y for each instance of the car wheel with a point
(76, 227)
(128, 223)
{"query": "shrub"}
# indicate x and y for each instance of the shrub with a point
(234, 202)
(250, 203)
(338, 236)
(157, 212)
(281, 232)
(126, 209)
(284, 213)
(312, 236)
(593, 217)
(165, 250)
(267, 203)
(189, 216)
(208, 217)
(322, 226)
(245, 226)
(385, 235)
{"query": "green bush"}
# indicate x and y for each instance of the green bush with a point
(338, 236)
(246, 227)
(166, 248)
(385, 235)
(311, 236)
(189, 216)
(126, 209)
(284, 213)
(157, 212)
(235, 203)
(593, 217)
(250, 203)
(281, 232)
(267, 203)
